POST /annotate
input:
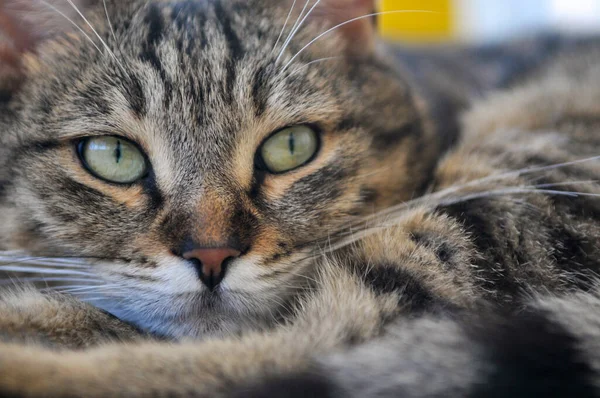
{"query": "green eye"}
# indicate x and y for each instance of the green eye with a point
(113, 159)
(289, 149)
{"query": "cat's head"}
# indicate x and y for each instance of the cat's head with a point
(179, 144)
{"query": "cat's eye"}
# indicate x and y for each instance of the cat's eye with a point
(289, 149)
(113, 159)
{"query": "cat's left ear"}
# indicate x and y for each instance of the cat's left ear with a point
(353, 20)
(24, 26)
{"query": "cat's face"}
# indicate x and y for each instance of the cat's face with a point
(199, 148)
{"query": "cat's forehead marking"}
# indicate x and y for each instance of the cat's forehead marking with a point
(198, 91)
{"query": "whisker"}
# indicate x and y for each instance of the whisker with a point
(84, 288)
(488, 194)
(49, 271)
(560, 184)
(453, 189)
(98, 36)
(346, 23)
(11, 258)
(554, 166)
(509, 191)
(312, 62)
(71, 21)
(284, 26)
(529, 170)
(360, 229)
(49, 279)
(40, 262)
(87, 299)
(14, 255)
(292, 32)
(110, 26)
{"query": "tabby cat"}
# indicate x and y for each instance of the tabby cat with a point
(256, 198)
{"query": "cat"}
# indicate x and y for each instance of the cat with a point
(261, 199)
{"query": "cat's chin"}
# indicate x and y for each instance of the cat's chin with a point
(197, 316)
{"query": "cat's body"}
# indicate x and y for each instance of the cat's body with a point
(483, 286)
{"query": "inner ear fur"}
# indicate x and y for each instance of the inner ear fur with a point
(359, 35)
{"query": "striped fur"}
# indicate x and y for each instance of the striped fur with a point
(483, 285)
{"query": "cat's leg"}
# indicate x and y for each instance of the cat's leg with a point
(340, 313)
(551, 349)
(56, 320)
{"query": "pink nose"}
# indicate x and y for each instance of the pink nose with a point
(210, 263)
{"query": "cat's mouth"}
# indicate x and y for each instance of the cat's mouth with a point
(171, 300)
(203, 314)
(167, 297)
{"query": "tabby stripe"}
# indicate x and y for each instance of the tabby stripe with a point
(587, 208)
(46, 106)
(154, 193)
(331, 176)
(235, 49)
(5, 96)
(531, 356)
(443, 250)
(481, 218)
(135, 96)
(413, 296)
(576, 254)
(347, 122)
(94, 101)
(37, 147)
(149, 55)
(539, 160)
(368, 195)
(446, 123)
(260, 91)
(155, 26)
(389, 140)
(295, 385)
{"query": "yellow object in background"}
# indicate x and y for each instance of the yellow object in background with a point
(437, 25)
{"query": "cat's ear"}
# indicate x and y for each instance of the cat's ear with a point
(24, 26)
(353, 20)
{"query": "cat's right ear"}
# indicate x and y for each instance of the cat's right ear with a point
(24, 25)
(352, 20)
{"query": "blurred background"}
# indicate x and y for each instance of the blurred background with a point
(484, 21)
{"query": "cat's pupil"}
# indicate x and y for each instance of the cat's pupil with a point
(118, 152)
(292, 143)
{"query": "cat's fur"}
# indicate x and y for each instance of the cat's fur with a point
(482, 287)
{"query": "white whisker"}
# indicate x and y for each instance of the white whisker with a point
(531, 170)
(284, 26)
(292, 32)
(110, 26)
(560, 184)
(84, 288)
(510, 191)
(455, 188)
(94, 298)
(97, 35)
(71, 21)
(49, 279)
(346, 23)
(387, 218)
(49, 271)
(312, 62)
(41, 263)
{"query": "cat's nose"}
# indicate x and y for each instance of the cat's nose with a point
(211, 263)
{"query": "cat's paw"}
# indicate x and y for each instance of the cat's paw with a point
(30, 316)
